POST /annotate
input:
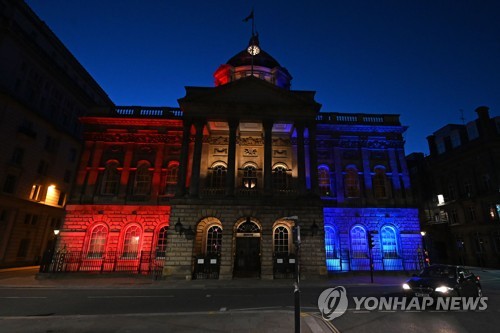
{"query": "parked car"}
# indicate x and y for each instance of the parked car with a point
(443, 280)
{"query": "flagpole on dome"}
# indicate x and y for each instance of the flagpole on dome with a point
(251, 17)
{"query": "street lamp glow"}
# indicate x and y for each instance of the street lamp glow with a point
(56, 232)
(422, 233)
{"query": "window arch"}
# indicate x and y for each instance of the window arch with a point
(110, 179)
(131, 242)
(379, 182)
(324, 181)
(142, 184)
(351, 182)
(389, 242)
(214, 240)
(161, 242)
(331, 243)
(359, 242)
(280, 177)
(97, 243)
(250, 176)
(218, 175)
(281, 240)
(171, 178)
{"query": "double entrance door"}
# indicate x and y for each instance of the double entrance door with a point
(247, 258)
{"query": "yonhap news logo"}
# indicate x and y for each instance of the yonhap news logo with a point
(333, 303)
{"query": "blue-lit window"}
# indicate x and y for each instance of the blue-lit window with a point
(332, 249)
(389, 242)
(351, 182)
(324, 181)
(379, 183)
(359, 242)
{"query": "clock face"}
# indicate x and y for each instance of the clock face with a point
(253, 49)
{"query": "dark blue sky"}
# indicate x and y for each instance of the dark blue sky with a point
(423, 59)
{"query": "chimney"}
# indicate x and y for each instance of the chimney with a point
(431, 140)
(485, 125)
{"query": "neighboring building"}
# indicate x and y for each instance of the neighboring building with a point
(211, 189)
(458, 188)
(43, 91)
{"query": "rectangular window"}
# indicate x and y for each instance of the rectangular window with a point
(23, 248)
(472, 213)
(35, 192)
(17, 156)
(10, 184)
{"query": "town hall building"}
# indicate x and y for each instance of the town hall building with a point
(217, 186)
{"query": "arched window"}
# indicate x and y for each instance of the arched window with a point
(161, 243)
(281, 238)
(324, 181)
(218, 177)
(359, 242)
(331, 244)
(131, 242)
(249, 177)
(351, 182)
(214, 240)
(379, 183)
(280, 178)
(110, 179)
(97, 243)
(389, 242)
(171, 178)
(142, 184)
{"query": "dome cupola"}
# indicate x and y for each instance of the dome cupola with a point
(253, 61)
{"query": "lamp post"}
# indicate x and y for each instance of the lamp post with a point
(426, 253)
(187, 232)
(296, 289)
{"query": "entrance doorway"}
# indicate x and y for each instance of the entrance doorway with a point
(247, 254)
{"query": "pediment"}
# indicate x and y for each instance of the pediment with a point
(249, 91)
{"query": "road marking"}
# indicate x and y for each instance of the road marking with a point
(125, 296)
(15, 297)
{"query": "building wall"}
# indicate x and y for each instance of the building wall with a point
(43, 91)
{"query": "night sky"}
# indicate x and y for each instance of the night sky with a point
(423, 59)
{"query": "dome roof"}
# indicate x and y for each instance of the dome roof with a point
(262, 59)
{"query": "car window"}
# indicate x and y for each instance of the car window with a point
(438, 272)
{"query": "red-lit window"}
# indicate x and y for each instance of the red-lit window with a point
(171, 178)
(131, 242)
(97, 242)
(142, 184)
(110, 179)
(161, 244)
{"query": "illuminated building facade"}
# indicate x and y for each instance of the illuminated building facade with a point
(457, 186)
(215, 187)
(43, 91)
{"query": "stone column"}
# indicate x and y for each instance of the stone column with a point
(124, 179)
(156, 182)
(313, 156)
(268, 156)
(301, 159)
(339, 177)
(231, 157)
(183, 160)
(365, 156)
(194, 187)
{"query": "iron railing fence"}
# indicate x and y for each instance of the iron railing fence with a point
(143, 262)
